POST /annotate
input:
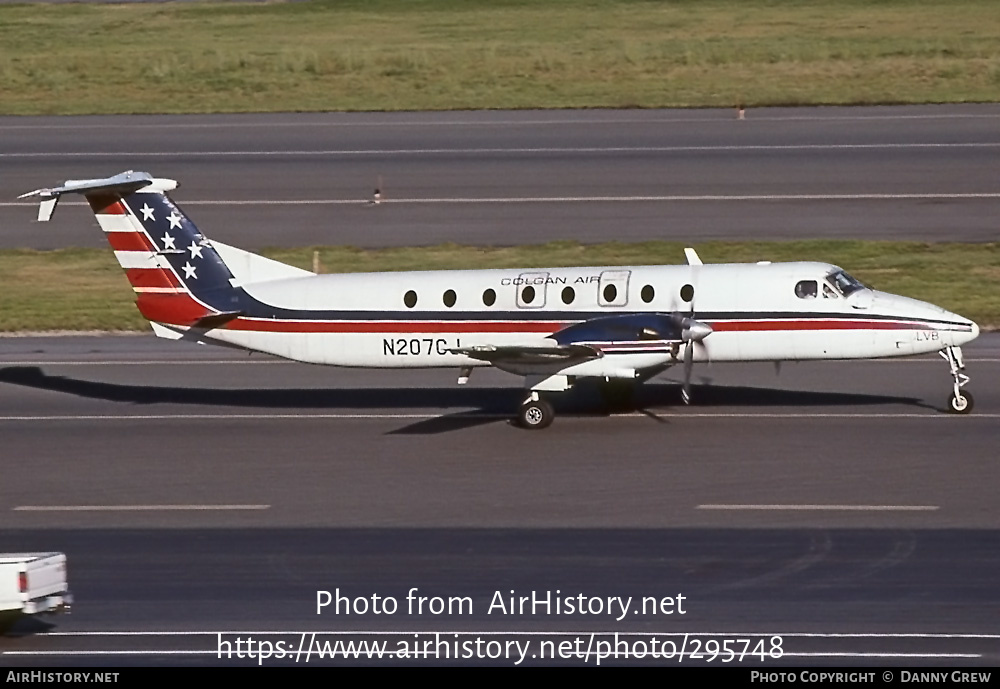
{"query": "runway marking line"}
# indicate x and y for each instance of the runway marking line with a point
(288, 362)
(824, 508)
(728, 148)
(474, 415)
(389, 655)
(930, 196)
(162, 362)
(721, 117)
(135, 508)
(372, 632)
(494, 633)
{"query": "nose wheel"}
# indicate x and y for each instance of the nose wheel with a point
(960, 401)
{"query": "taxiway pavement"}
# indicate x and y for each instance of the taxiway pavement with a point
(196, 490)
(515, 177)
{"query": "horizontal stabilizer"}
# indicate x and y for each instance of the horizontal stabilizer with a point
(122, 184)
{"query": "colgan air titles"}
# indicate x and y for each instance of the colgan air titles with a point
(621, 325)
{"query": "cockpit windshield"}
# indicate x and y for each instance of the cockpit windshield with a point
(845, 283)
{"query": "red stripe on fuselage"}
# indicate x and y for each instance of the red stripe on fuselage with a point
(815, 324)
(544, 328)
(129, 241)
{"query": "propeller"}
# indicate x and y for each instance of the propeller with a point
(693, 332)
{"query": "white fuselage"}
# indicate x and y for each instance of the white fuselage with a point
(616, 322)
(757, 313)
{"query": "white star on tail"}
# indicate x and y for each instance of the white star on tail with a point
(168, 241)
(175, 220)
(189, 271)
(147, 212)
(195, 250)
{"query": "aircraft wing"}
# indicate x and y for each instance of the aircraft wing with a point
(504, 356)
(623, 343)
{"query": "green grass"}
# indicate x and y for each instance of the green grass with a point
(451, 54)
(84, 289)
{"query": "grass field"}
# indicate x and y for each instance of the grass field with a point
(454, 54)
(84, 289)
(457, 54)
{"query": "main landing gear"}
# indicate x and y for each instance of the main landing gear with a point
(535, 413)
(960, 401)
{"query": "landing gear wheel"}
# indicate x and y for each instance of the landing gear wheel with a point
(535, 415)
(960, 401)
(962, 404)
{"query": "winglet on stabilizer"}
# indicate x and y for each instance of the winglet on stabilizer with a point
(692, 257)
(122, 183)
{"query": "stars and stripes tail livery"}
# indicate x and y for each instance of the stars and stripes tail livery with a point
(553, 326)
(178, 277)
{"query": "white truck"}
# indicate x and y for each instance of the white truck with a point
(32, 583)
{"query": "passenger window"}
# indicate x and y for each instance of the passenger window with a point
(647, 293)
(612, 290)
(489, 297)
(410, 299)
(528, 294)
(568, 295)
(806, 289)
(687, 292)
(449, 298)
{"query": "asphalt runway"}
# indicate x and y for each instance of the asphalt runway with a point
(199, 491)
(833, 507)
(922, 172)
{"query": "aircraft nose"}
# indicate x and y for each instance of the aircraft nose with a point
(961, 337)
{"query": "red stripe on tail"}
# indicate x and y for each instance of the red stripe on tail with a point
(129, 241)
(173, 309)
(108, 204)
(151, 277)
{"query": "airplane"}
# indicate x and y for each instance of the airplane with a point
(554, 327)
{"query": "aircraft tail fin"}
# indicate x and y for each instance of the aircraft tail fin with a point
(180, 278)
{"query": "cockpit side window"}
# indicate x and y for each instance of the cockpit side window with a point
(829, 292)
(845, 283)
(806, 289)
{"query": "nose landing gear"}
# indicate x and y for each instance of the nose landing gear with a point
(960, 401)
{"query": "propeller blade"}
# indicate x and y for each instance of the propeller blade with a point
(705, 350)
(688, 366)
(693, 332)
